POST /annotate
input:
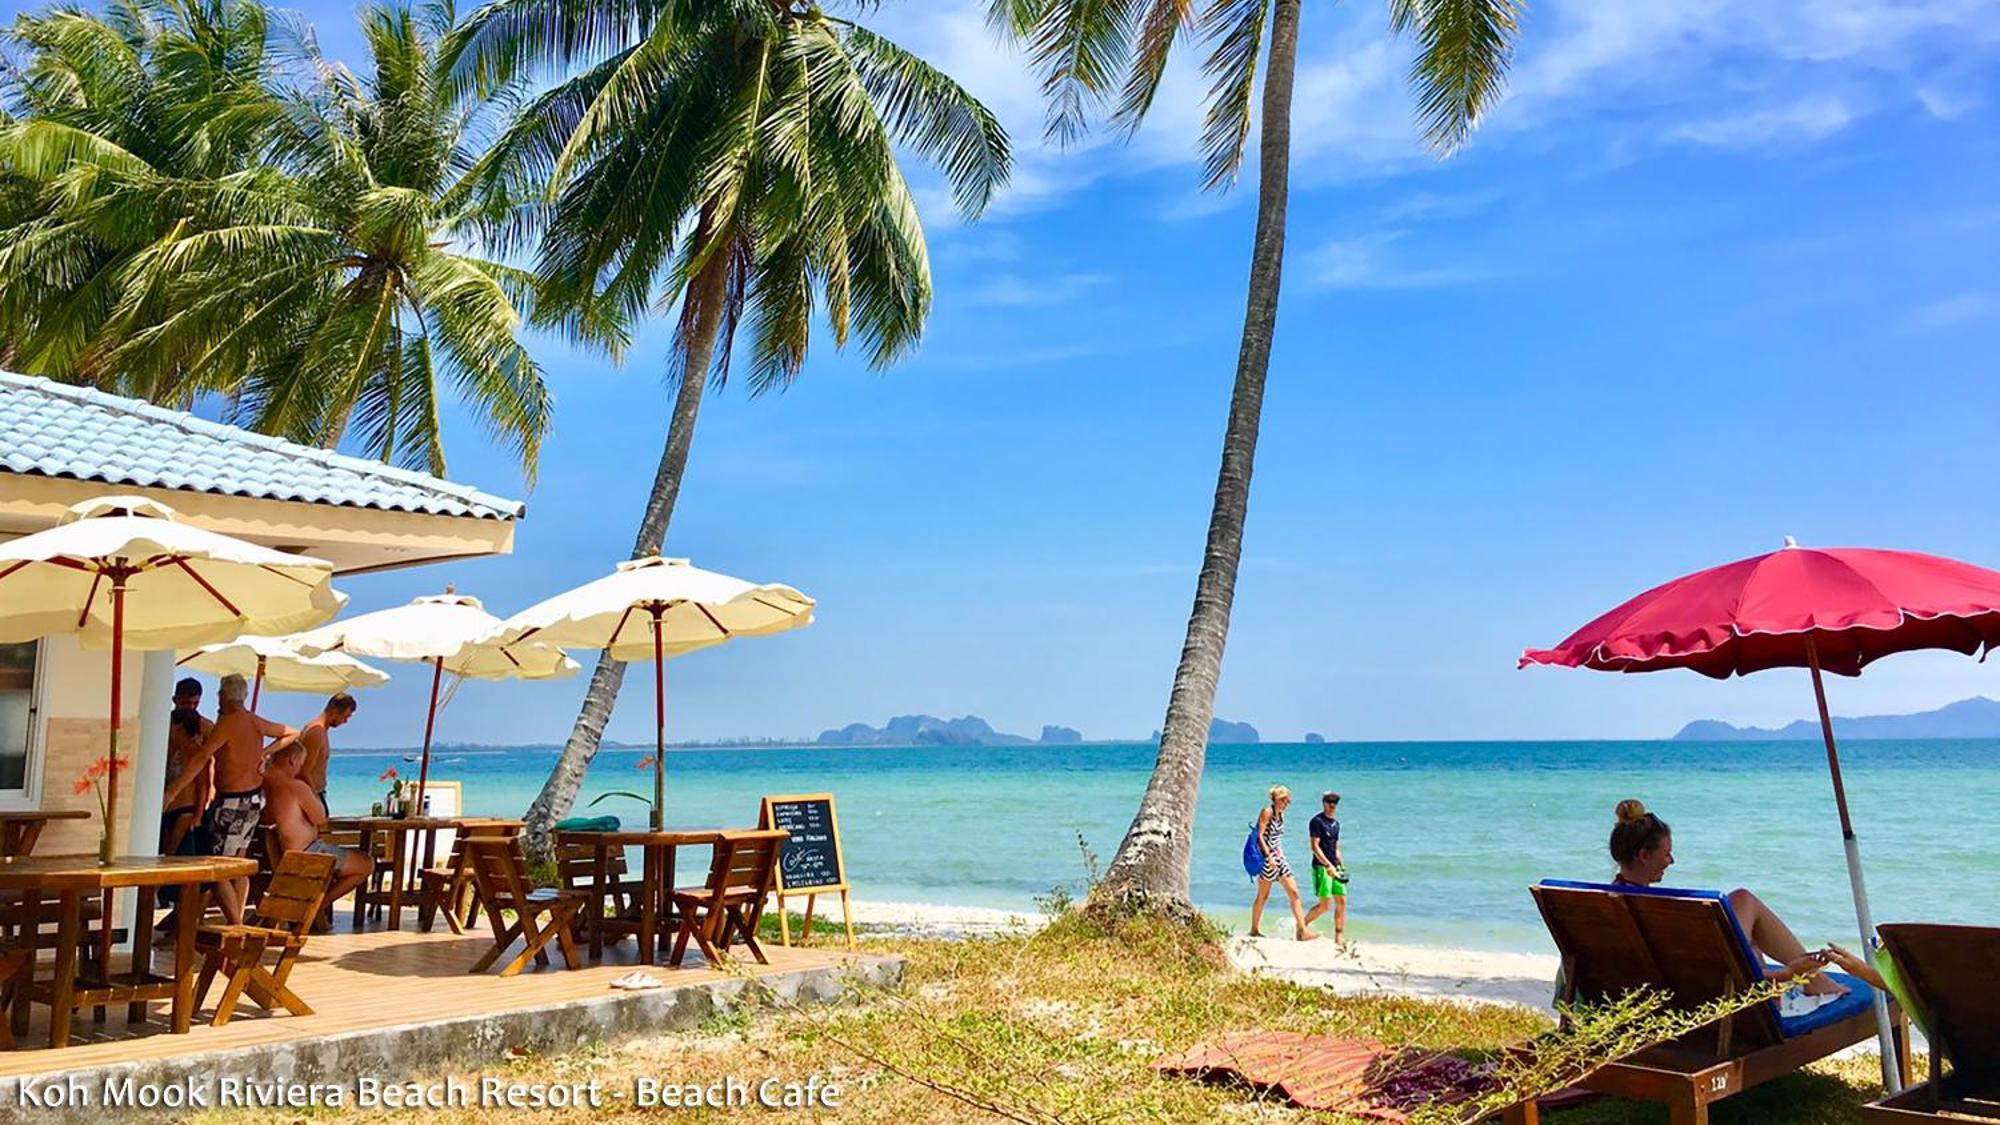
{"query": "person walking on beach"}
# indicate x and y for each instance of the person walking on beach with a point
(1271, 837)
(236, 745)
(1329, 866)
(319, 748)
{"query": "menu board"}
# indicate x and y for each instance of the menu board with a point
(809, 860)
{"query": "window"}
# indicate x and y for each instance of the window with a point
(17, 713)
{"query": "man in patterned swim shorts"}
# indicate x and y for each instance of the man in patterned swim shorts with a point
(237, 745)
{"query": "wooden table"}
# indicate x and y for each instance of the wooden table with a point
(70, 879)
(20, 828)
(656, 883)
(403, 875)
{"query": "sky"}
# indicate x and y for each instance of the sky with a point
(1714, 273)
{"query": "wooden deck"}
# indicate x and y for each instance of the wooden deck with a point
(378, 981)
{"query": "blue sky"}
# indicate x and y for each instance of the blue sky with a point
(1717, 272)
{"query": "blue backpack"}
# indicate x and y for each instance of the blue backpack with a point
(1253, 853)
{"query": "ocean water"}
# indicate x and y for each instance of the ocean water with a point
(1442, 839)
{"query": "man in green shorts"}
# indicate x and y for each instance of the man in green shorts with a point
(1329, 867)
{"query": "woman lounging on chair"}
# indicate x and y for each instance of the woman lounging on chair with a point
(1643, 848)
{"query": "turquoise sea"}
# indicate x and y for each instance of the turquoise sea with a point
(1441, 838)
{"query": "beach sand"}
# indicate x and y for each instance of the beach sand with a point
(1475, 976)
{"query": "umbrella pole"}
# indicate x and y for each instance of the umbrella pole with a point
(257, 689)
(430, 722)
(117, 719)
(1856, 882)
(660, 724)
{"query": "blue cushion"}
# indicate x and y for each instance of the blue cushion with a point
(1859, 998)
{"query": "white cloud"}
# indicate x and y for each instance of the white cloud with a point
(1370, 262)
(1807, 119)
(1946, 105)
(1954, 311)
(1008, 290)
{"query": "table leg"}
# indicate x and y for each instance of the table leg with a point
(103, 948)
(184, 997)
(601, 878)
(142, 951)
(398, 842)
(667, 918)
(63, 991)
(649, 902)
(361, 892)
(30, 938)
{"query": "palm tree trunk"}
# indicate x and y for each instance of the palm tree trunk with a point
(706, 294)
(1151, 868)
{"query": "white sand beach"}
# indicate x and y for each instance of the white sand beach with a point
(1476, 976)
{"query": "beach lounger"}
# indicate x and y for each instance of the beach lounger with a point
(1952, 975)
(1689, 945)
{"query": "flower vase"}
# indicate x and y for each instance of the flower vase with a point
(104, 850)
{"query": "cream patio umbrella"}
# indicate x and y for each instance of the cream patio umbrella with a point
(123, 571)
(450, 632)
(654, 609)
(274, 660)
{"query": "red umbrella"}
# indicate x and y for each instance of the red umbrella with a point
(1834, 609)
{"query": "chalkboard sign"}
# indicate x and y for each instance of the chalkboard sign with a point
(809, 860)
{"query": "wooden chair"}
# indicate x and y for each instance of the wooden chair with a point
(12, 961)
(740, 879)
(576, 870)
(1689, 946)
(540, 915)
(1952, 975)
(450, 888)
(290, 903)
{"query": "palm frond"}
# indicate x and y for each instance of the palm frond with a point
(1236, 27)
(1464, 48)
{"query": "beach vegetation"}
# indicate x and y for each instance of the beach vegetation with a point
(737, 161)
(1066, 1025)
(200, 203)
(1109, 58)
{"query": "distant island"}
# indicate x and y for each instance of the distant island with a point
(929, 730)
(1978, 717)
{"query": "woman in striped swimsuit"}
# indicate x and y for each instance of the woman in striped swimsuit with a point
(1277, 869)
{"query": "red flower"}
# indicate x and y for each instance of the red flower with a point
(388, 774)
(645, 763)
(82, 786)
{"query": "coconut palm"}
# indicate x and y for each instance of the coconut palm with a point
(315, 266)
(737, 158)
(1093, 52)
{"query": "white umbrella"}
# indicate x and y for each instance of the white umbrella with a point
(273, 659)
(450, 632)
(123, 571)
(653, 609)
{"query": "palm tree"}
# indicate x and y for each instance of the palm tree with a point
(313, 265)
(1088, 50)
(736, 157)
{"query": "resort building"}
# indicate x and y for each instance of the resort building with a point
(61, 444)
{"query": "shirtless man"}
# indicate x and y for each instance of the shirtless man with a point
(184, 734)
(294, 810)
(313, 736)
(236, 745)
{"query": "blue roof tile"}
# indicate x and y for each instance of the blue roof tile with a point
(57, 430)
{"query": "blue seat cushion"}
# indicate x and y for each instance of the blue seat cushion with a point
(1858, 999)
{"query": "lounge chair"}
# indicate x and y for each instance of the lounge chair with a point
(282, 917)
(1952, 975)
(729, 906)
(1689, 945)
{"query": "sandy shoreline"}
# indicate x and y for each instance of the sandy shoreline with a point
(1478, 976)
